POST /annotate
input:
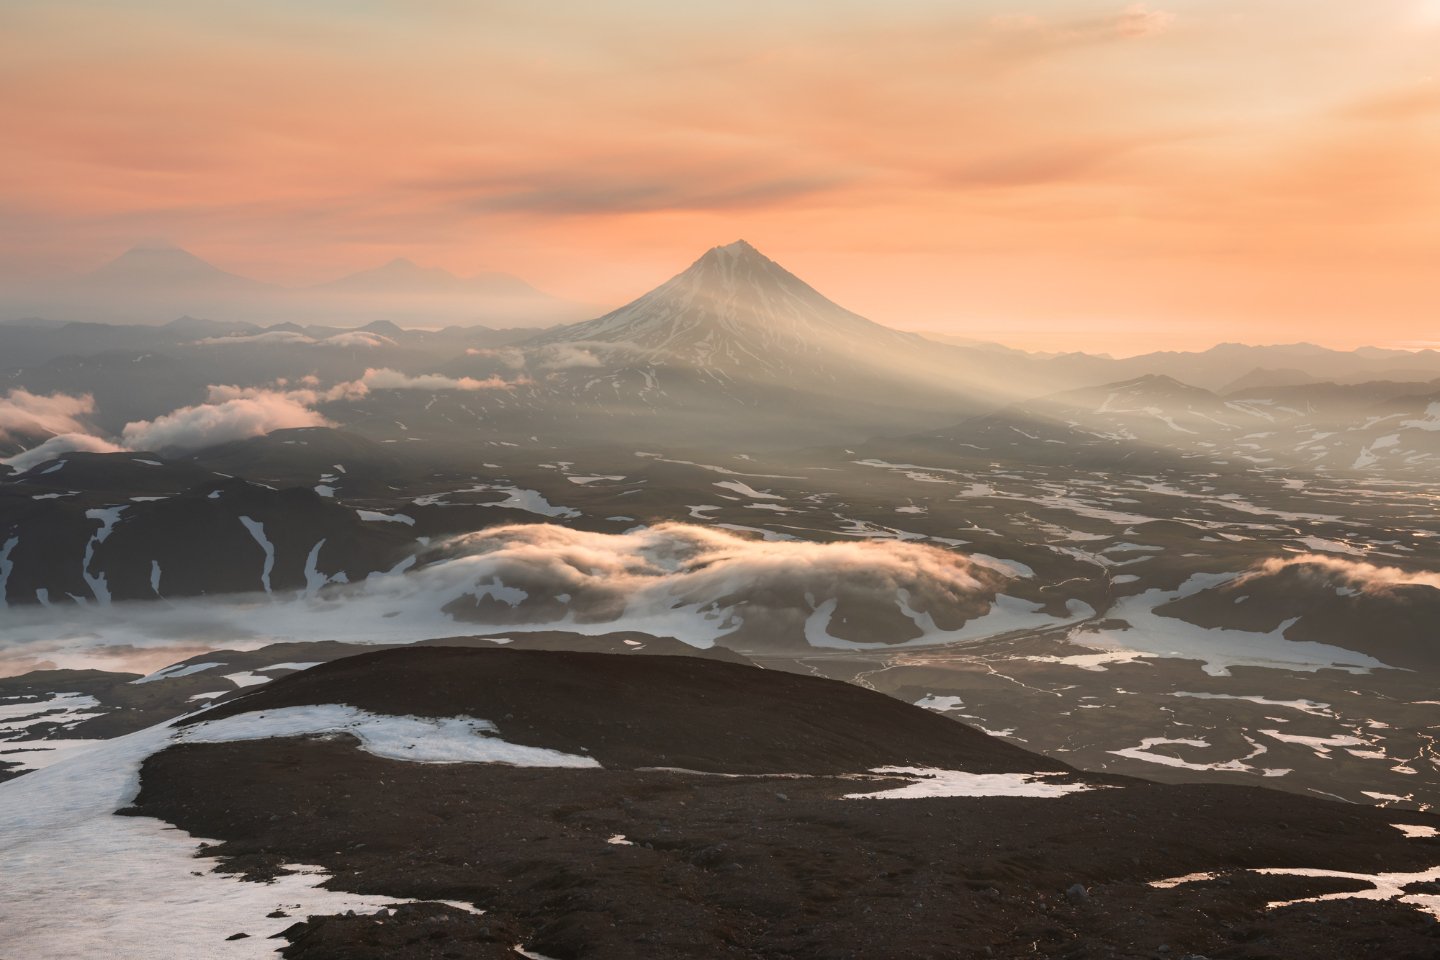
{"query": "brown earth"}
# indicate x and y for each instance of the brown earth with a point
(755, 866)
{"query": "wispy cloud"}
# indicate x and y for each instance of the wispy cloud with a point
(238, 416)
(383, 378)
(26, 414)
(57, 447)
(230, 412)
(1359, 575)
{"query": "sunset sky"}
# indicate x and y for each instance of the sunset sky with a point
(1055, 173)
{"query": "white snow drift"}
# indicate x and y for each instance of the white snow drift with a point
(417, 739)
(76, 875)
(936, 782)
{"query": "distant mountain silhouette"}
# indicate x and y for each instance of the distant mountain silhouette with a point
(155, 281)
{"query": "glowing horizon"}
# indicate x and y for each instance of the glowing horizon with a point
(1109, 176)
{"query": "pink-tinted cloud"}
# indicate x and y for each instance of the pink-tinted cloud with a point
(56, 447)
(243, 415)
(1356, 574)
(704, 583)
(26, 414)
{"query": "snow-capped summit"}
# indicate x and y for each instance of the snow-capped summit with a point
(738, 312)
(737, 345)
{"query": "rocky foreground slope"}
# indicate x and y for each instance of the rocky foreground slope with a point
(680, 807)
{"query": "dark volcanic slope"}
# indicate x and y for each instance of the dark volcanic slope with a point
(650, 711)
(126, 703)
(636, 863)
(223, 536)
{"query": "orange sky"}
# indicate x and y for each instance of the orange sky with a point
(1057, 173)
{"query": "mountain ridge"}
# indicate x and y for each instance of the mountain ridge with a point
(152, 282)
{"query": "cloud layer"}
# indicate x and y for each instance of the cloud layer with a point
(58, 446)
(229, 412)
(239, 414)
(1355, 574)
(26, 414)
(384, 378)
(364, 339)
(700, 582)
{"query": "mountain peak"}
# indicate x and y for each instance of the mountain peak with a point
(738, 262)
(741, 251)
(157, 251)
(384, 327)
(736, 310)
(158, 265)
(1157, 384)
(738, 248)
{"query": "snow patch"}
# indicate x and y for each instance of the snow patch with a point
(257, 530)
(745, 490)
(132, 884)
(936, 782)
(108, 517)
(376, 516)
(247, 678)
(417, 739)
(178, 670)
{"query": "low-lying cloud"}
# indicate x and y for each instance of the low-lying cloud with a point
(242, 413)
(56, 447)
(564, 356)
(230, 412)
(357, 338)
(277, 337)
(700, 582)
(1355, 574)
(700, 585)
(556, 356)
(512, 357)
(309, 393)
(384, 378)
(26, 414)
(349, 338)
